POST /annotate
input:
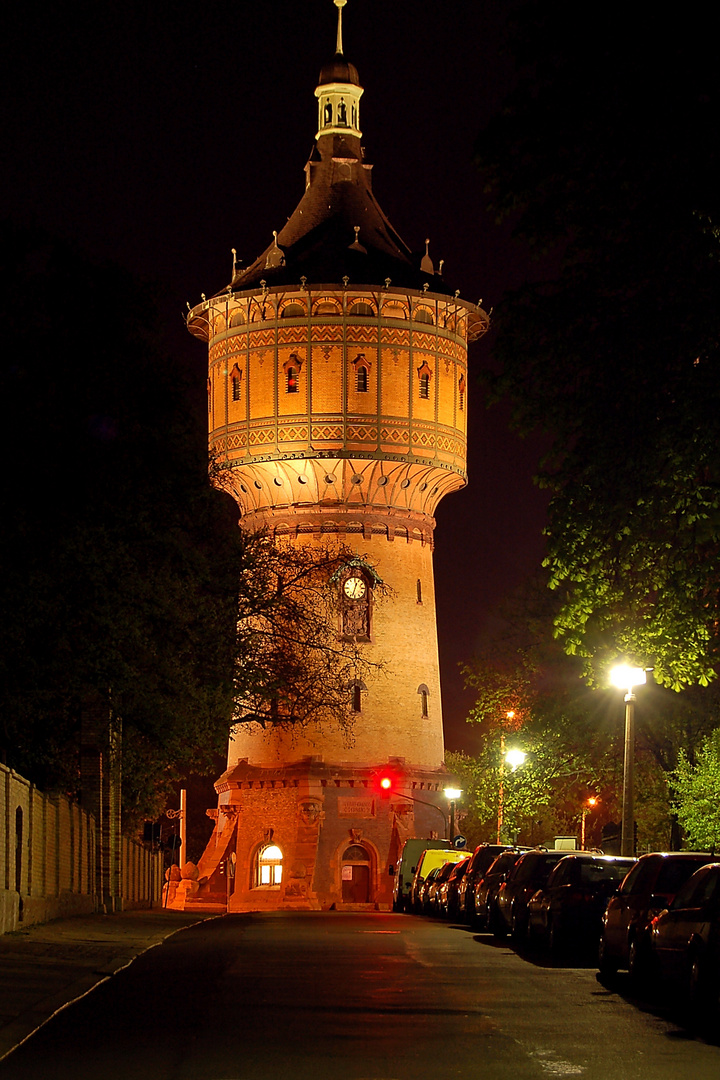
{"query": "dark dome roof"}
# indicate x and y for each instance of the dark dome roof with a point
(339, 70)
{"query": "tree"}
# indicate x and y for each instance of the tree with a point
(128, 588)
(292, 666)
(606, 158)
(696, 795)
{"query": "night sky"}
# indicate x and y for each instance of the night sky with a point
(160, 135)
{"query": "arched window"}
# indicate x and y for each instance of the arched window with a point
(236, 380)
(361, 380)
(291, 368)
(268, 872)
(18, 849)
(423, 315)
(424, 695)
(293, 310)
(356, 688)
(327, 306)
(361, 307)
(237, 318)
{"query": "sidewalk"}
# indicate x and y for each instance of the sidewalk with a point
(44, 967)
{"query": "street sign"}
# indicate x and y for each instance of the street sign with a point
(459, 841)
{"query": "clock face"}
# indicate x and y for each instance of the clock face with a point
(354, 588)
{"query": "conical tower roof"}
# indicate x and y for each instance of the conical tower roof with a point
(338, 229)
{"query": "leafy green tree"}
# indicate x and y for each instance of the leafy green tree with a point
(696, 795)
(606, 159)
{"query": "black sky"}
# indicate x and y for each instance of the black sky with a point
(161, 135)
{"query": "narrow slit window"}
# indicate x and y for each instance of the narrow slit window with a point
(425, 386)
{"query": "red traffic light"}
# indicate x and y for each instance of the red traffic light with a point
(385, 783)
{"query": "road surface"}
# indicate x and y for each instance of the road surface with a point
(345, 996)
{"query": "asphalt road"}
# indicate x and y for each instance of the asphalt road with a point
(340, 996)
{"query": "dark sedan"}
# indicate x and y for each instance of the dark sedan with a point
(527, 876)
(651, 886)
(568, 911)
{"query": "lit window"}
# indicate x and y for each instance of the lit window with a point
(292, 380)
(269, 866)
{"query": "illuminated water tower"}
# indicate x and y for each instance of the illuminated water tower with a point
(337, 400)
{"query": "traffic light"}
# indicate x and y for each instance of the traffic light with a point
(384, 782)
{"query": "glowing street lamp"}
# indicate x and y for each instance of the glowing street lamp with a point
(590, 805)
(626, 678)
(514, 758)
(452, 795)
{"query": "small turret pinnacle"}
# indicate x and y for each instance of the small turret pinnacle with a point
(339, 4)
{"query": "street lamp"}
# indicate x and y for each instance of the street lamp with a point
(591, 803)
(626, 678)
(452, 794)
(514, 759)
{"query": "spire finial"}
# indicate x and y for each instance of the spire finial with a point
(339, 4)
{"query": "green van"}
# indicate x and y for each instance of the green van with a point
(407, 865)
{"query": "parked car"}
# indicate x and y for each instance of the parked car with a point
(486, 889)
(447, 893)
(428, 859)
(651, 886)
(568, 909)
(684, 941)
(529, 874)
(433, 894)
(424, 890)
(482, 858)
(406, 866)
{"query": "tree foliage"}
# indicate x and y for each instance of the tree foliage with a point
(127, 584)
(696, 794)
(606, 159)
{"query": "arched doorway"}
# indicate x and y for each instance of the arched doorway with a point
(355, 873)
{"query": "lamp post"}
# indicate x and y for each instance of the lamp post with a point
(514, 758)
(626, 678)
(452, 795)
(591, 803)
